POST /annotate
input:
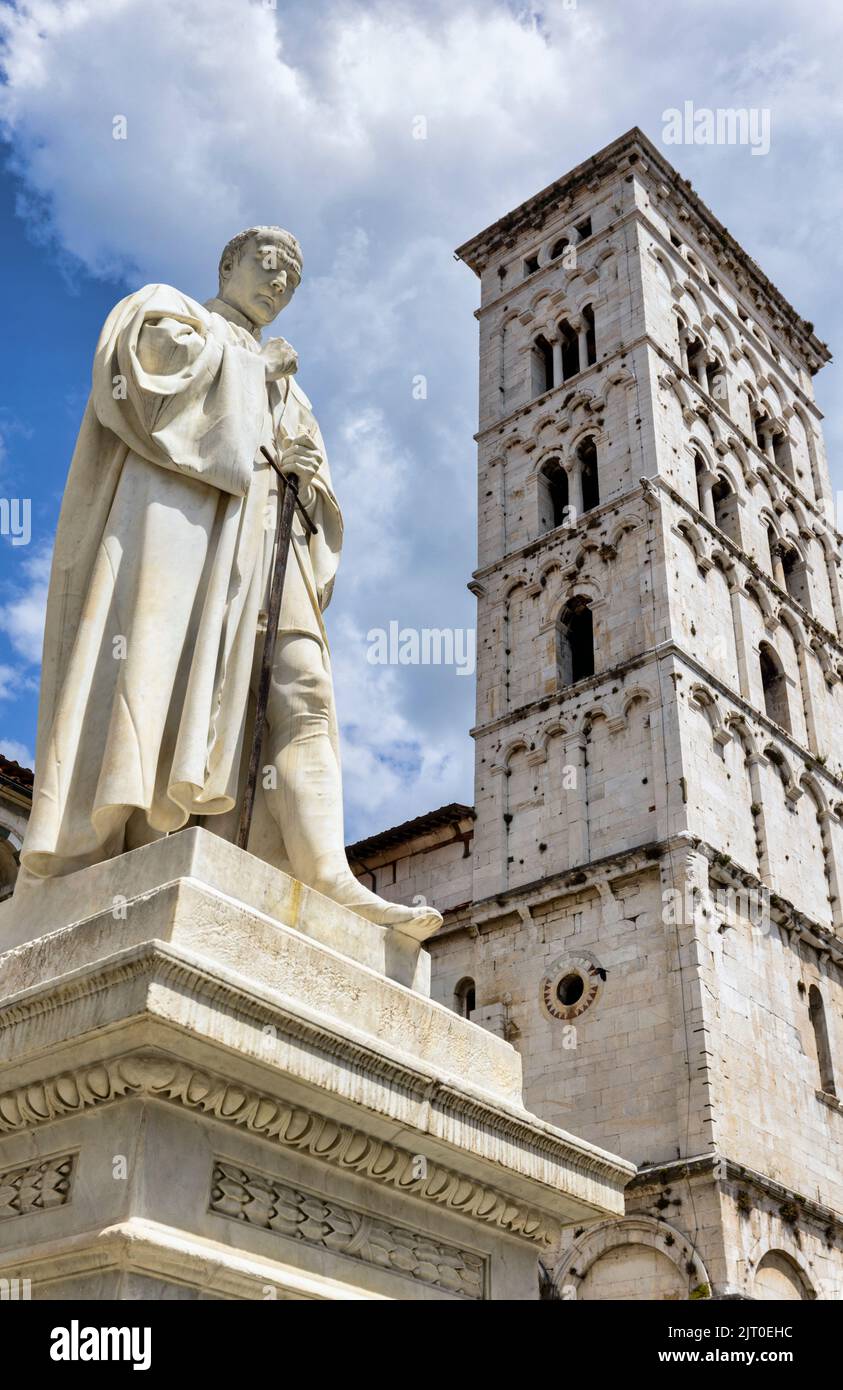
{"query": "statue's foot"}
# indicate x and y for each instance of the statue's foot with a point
(417, 922)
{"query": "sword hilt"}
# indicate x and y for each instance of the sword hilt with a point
(287, 483)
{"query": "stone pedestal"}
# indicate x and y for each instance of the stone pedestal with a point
(217, 1084)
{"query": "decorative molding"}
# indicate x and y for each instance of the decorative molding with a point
(36, 1187)
(721, 1169)
(262, 1201)
(156, 1076)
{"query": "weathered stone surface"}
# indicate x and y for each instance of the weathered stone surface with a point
(204, 1062)
(666, 825)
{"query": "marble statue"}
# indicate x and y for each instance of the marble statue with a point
(159, 590)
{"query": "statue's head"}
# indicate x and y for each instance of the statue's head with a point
(260, 270)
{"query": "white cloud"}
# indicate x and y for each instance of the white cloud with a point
(390, 765)
(22, 618)
(16, 752)
(238, 113)
(9, 688)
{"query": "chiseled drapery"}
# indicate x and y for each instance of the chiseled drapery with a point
(161, 569)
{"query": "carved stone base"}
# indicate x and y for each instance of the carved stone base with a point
(217, 1084)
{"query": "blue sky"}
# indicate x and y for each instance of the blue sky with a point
(239, 111)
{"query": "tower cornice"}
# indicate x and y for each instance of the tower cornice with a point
(628, 151)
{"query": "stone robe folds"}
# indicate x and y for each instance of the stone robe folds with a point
(161, 570)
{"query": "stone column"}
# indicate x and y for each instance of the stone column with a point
(556, 345)
(807, 698)
(582, 344)
(735, 594)
(575, 486)
(683, 350)
(832, 870)
(707, 481)
(767, 441)
(575, 756)
(754, 763)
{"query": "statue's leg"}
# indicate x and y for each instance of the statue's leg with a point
(306, 801)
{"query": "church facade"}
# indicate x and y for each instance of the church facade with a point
(645, 897)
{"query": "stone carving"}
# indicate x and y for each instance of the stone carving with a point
(274, 1206)
(163, 561)
(36, 1187)
(156, 1076)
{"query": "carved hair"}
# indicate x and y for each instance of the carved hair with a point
(290, 251)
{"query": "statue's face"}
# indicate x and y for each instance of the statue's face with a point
(261, 283)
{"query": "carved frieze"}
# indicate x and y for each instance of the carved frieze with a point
(327, 1224)
(36, 1186)
(155, 1076)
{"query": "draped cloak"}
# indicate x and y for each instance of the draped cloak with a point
(160, 578)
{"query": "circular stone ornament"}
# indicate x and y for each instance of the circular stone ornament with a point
(570, 985)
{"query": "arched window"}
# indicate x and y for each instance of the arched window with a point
(816, 1012)
(541, 366)
(558, 247)
(773, 548)
(761, 427)
(465, 997)
(8, 865)
(575, 642)
(570, 350)
(553, 495)
(796, 576)
(725, 503)
(589, 481)
(715, 375)
(590, 337)
(697, 357)
(772, 440)
(774, 685)
(700, 467)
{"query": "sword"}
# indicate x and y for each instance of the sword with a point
(288, 503)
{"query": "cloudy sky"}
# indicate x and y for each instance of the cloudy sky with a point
(304, 113)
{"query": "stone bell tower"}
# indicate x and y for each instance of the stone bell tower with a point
(655, 917)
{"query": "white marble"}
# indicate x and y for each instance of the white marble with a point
(200, 1101)
(160, 579)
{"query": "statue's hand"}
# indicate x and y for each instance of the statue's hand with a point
(302, 458)
(279, 358)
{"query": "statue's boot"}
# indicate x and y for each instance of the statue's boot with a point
(307, 801)
(339, 884)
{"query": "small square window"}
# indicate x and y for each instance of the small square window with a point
(583, 229)
(675, 240)
(531, 265)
